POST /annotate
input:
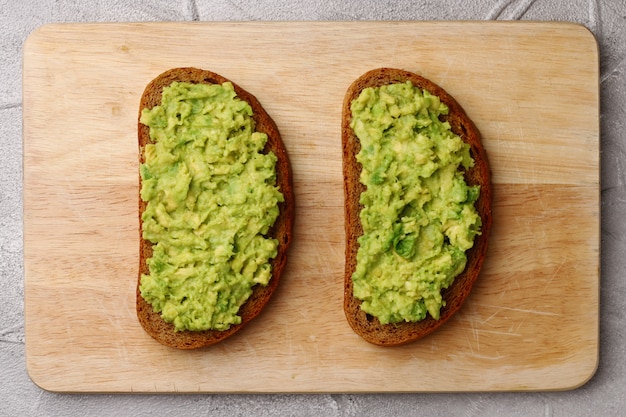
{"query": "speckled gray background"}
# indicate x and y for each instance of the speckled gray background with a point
(602, 396)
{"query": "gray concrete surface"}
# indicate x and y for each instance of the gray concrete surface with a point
(603, 395)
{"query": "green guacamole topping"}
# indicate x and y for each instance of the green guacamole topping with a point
(211, 197)
(418, 213)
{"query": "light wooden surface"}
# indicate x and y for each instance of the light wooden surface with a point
(531, 322)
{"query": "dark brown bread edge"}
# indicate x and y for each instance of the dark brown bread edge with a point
(151, 321)
(368, 327)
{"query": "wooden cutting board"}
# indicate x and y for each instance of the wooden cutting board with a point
(531, 322)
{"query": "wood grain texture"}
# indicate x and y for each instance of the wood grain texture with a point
(531, 322)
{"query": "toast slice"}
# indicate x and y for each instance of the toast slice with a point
(365, 325)
(151, 321)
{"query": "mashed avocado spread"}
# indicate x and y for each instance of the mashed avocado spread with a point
(211, 197)
(418, 213)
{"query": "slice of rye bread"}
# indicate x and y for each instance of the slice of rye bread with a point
(365, 325)
(151, 321)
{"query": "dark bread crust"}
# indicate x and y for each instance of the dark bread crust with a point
(366, 326)
(151, 321)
